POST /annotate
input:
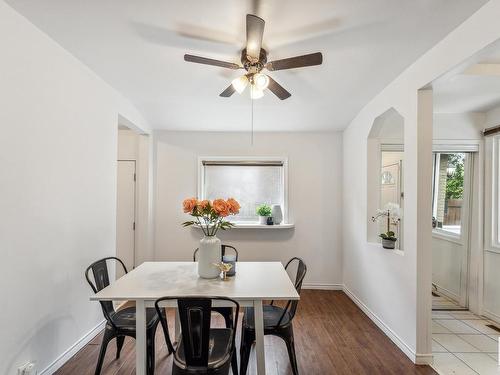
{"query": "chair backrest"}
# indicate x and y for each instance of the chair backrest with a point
(291, 306)
(195, 317)
(101, 280)
(299, 278)
(224, 248)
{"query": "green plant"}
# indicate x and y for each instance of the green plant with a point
(264, 210)
(455, 182)
(390, 235)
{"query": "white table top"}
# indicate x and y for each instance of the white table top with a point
(152, 280)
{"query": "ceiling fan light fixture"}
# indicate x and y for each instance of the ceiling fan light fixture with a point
(261, 81)
(240, 83)
(256, 93)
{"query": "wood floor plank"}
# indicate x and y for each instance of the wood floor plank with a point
(332, 336)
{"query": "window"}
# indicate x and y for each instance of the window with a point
(448, 192)
(251, 181)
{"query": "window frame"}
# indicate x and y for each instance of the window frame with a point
(248, 159)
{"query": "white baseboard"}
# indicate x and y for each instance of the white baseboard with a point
(63, 358)
(448, 293)
(419, 359)
(323, 286)
(492, 316)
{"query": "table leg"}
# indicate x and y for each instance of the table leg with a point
(177, 326)
(140, 337)
(259, 338)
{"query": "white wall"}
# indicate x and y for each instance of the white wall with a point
(395, 289)
(58, 155)
(314, 198)
(458, 126)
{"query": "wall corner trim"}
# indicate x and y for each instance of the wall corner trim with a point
(419, 359)
(73, 349)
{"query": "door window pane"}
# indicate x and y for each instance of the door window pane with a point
(448, 192)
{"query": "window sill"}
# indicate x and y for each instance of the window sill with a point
(258, 226)
(446, 236)
(394, 251)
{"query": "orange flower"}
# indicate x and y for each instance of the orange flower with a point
(203, 204)
(234, 206)
(189, 204)
(221, 207)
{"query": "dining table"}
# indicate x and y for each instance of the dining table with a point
(253, 283)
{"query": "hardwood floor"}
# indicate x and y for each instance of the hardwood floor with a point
(332, 335)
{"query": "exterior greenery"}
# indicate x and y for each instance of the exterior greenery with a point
(455, 182)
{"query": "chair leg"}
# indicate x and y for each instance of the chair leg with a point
(228, 318)
(108, 335)
(119, 345)
(150, 351)
(290, 347)
(247, 340)
(170, 348)
(234, 363)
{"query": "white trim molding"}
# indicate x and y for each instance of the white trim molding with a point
(73, 349)
(323, 286)
(419, 359)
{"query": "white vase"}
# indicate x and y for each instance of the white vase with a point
(277, 214)
(209, 253)
(263, 220)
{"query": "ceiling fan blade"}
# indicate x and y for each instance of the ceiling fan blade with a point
(228, 92)
(255, 32)
(207, 61)
(277, 89)
(296, 62)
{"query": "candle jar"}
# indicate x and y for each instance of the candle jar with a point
(231, 259)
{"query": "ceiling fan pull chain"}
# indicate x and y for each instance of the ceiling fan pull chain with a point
(251, 100)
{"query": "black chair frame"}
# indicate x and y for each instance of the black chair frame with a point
(197, 354)
(282, 328)
(226, 312)
(113, 329)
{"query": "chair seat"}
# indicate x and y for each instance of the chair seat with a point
(219, 351)
(272, 315)
(125, 318)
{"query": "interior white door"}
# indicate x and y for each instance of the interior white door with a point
(125, 214)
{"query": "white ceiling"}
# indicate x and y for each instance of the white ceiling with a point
(462, 93)
(138, 47)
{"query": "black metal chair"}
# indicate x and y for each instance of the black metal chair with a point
(223, 251)
(277, 322)
(201, 349)
(121, 323)
(226, 312)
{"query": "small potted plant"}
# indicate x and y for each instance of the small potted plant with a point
(264, 211)
(388, 239)
(391, 213)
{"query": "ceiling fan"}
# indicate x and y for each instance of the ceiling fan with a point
(254, 60)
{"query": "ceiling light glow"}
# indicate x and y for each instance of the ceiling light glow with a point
(240, 83)
(256, 93)
(261, 81)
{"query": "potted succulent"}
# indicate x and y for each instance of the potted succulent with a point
(392, 215)
(388, 239)
(264, 211)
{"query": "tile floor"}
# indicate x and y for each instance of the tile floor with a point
(462, 344)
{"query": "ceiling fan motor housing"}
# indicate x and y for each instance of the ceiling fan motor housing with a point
(253, 66)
